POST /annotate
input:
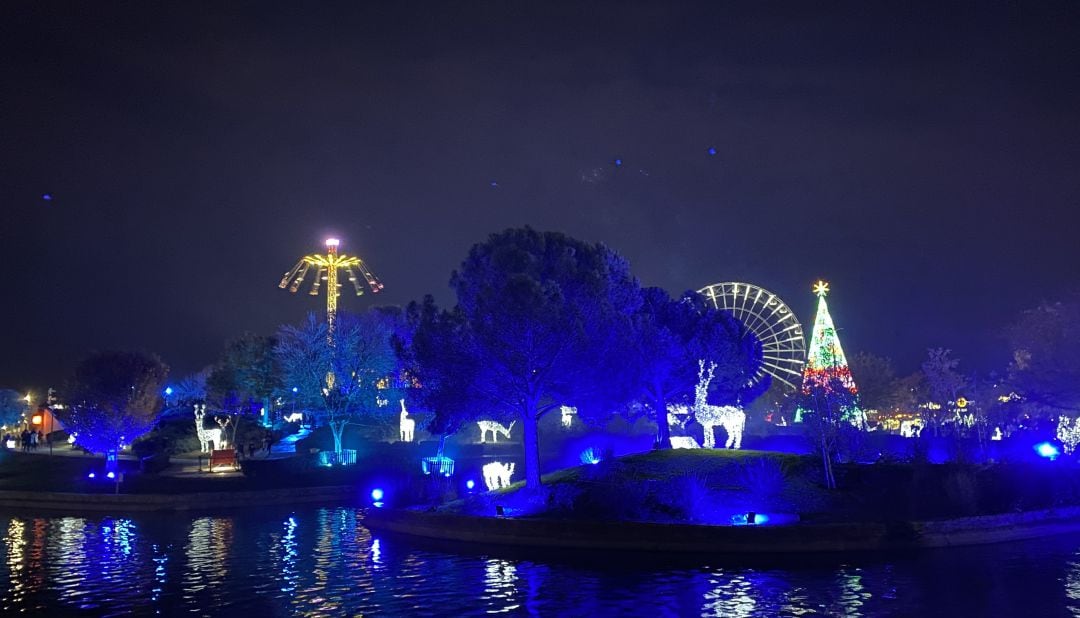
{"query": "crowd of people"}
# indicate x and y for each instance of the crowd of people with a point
(28, 440)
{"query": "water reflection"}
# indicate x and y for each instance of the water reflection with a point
(500, 586)
(288, 553)
(68, 546)
(14, 546)
(731, 596)
(852, 594)
(206, 568)
(322, 562)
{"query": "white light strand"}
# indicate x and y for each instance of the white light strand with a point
(731, 418)
(1068, 432)
(495, 428)
(567, 416)
(497, 475)
(406, 426)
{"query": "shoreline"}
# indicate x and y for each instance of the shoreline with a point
(59, 502)
(698, 539)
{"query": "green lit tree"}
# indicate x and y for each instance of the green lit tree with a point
(827, 367)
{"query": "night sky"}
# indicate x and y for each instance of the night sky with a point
(924, 159)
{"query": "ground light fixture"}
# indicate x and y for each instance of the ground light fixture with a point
(1047, 450)
(377, 497)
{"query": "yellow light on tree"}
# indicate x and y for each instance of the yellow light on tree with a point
(326, 268)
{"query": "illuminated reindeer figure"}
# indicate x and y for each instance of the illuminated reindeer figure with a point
(495, 428)
(224, 425)
(497, 475)
(407, 426)
(677, 416)
(206, 436)
(732, 419)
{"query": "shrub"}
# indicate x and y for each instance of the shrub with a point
(762, 477)
(686, 498)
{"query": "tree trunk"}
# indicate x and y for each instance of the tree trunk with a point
(267, 422)
(663, 430)
(830, 480)
(337, 428)
(532, 448)
(236, 425)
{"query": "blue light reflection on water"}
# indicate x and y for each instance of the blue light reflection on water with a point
(321, 561)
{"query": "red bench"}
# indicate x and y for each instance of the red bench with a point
(223, 457)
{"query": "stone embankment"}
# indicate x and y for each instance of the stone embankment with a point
(684, 538)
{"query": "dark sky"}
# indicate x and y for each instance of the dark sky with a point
(924, 159)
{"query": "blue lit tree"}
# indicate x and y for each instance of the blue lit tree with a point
(360, 357)
(115, 397)
(436, 349)
(542, 319)
(12, 407)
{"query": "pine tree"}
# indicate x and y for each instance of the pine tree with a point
(826, 367)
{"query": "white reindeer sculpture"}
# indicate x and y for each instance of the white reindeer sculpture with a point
(732, 419)
(567, 416)
(497, 474)
(407, 425)
(495, 428)
(677, 417)
(224, 425)
(206, 436)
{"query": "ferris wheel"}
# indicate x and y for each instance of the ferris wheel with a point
(771, 320)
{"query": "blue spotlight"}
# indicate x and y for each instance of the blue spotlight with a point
(1047, 450)
(469, 484)
(377, 494)
(111, 474)
(168, 391)
(91, 475)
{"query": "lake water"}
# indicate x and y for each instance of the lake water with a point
(321, 562)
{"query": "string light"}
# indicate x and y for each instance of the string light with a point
(731, 418)
(495, 428)
(406, 425)
(567, 416)
(326, 269)
(1068, 433)
(826, 362)
(497, 475)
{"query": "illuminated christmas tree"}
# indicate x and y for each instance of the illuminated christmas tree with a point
(826, 367)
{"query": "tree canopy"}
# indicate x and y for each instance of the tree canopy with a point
(246, 376)
(360, 357)
(12, 407)
(1046, 357)
(114, 398)
(541, 317)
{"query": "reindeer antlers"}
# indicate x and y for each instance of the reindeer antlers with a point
(701, 371)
